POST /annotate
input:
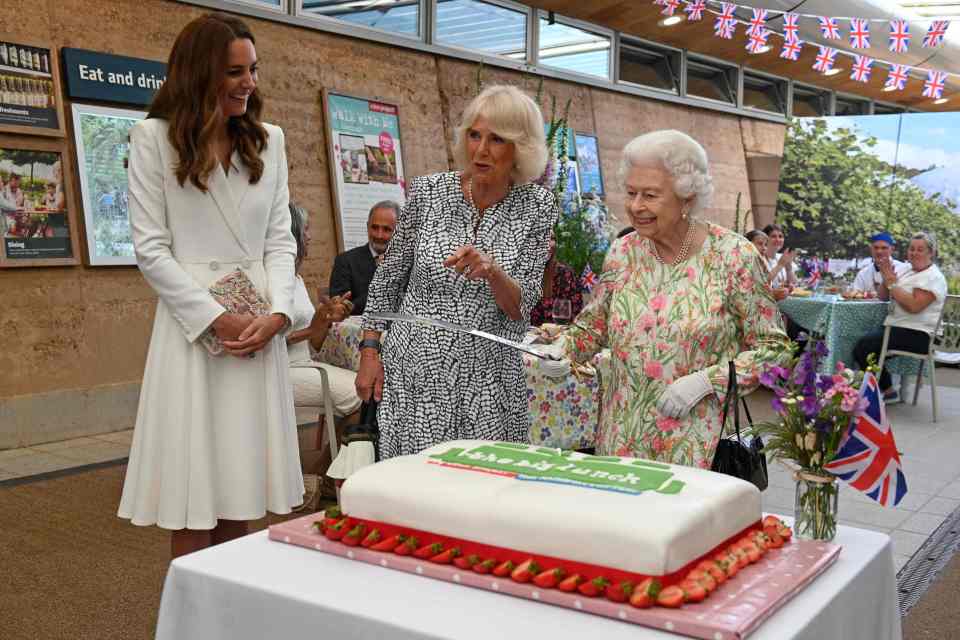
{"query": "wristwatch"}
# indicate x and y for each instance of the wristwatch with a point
(370, 343)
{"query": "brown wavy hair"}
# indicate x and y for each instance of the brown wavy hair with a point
(189, 100)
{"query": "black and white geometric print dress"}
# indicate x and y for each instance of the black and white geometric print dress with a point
(442, 385)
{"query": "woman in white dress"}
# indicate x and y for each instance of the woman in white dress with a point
(215, 443)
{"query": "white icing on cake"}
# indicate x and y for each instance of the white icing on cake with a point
(619, 523)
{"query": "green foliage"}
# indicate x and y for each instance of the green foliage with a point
(583, 234)
(953, 285)
(835, 193)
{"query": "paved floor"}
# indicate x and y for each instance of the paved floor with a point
(929, 453)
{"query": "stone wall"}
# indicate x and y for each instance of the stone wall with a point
(73, 340)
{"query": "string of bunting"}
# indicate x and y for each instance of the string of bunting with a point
(899, 39)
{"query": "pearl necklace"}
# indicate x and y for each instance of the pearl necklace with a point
(684, 246)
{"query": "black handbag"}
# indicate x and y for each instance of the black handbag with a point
(733, 457)
(367, 430)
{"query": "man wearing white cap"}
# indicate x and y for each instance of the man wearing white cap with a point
(881, 247)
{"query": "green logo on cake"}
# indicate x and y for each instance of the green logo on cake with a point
(551, 465)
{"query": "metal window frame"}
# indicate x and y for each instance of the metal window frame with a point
(784, 82)
(527, 11)
(677, 74)
(359, 31)
(829, 109)
(852, 97)
(610, 34)
(698, 58)
(898, 109)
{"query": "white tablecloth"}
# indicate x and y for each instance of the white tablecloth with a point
(254, 588)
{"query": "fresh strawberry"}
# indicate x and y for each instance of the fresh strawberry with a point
(372, 538)
(388, 544)
(671, 597)
(619, 592)
(775, 540)
(446, 557)
(715, 569)
(785, 532)
(485, 567)
(503, 569)
(333, 515)
(550, 578)
(320, 525)
(466, 562)
(408, 547)
(753, 552)
(354, 536)
(703, 577)
(570, 583)
(427, 551)
(761, 540)
(693, 591)
(594, 587)
(338, 530)
(772, 521)
(525, 571)
(645, 594)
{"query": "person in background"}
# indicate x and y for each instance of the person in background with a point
(760, 240)
(559, 282)
(870, 278)
(918, 295)
(215, 443)
(353, 270)
(12, 193)
(780, 265)
(677, 300)
(470, 249)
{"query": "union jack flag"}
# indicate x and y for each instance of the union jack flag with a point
(825, 59)
(670, 7)
(862, 66)
(899, 36)
(695, 10)
(725, 24)
(933, 87)
(868, 459)
(758, 23)
(897, 78)
(757, 41)
(588, 279)
(829, 28)
(934, 37)
(859, 33)
(791, 27)
(791, 50)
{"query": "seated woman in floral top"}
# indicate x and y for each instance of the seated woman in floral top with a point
(676, 301)
(559, 282)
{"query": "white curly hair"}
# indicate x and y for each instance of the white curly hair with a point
(515, 117)
(679, 155)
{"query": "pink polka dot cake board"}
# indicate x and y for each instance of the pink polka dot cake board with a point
(737, 607)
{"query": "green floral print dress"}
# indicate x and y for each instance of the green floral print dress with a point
(662, 322)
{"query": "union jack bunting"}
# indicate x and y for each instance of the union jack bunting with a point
(659, 3)
(868, 459)
(791, 50)
(725, 24)
(791, 27)
(758, 23)
(588, 279)
(862, 66)
(897, 78)
(934, 36)
(825, 59)
(933, 87)
(670, 7)
(899, 36)
(757, 41)
(859, 33)
(829, 28)
(695, 10)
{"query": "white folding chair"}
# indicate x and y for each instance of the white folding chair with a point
(946, 338)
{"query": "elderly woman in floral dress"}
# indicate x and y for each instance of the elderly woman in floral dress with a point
(677, 300)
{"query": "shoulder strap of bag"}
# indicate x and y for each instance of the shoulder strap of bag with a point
(732, 397)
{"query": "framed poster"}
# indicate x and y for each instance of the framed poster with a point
(36, 219)
(588, 162)
(102, 136)
(365, 158)
(30, 90)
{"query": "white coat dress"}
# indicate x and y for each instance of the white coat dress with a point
(215, 437)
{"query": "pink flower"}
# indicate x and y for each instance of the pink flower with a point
(658, 303)
(653, 369)
(648, 321)
(766, 312)
(666, 424)
(691, 274)
(657, 444)
(663, 346)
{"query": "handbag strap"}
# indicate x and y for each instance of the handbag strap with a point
(732, 396)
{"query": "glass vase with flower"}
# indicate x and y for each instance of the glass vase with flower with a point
(814, 412)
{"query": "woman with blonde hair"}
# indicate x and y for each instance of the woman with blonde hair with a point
(470, 248)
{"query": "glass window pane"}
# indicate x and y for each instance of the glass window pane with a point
(651, 67)
(714, 81)
(472, 24)
(566, 47)
(767, 94)
(810, 102)
(882, 109)
(851, 107)
(393, 16)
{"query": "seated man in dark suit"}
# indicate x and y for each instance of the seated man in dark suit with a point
(353, 269)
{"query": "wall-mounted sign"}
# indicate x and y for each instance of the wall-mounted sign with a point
(29, 90)
(92, 75)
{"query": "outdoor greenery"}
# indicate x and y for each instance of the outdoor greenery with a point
(105, 145)
(835, 192)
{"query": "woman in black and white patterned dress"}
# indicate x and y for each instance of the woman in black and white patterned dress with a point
(470, 248)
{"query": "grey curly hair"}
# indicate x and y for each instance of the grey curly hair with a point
(679, 155)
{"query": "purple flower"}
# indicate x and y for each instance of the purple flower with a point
(823, 425)
(769, 378)
(777, 405)
(810, 406)
(820, 348)
(824, 382)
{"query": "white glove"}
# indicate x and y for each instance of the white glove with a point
(555, 368)
(683, 394)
